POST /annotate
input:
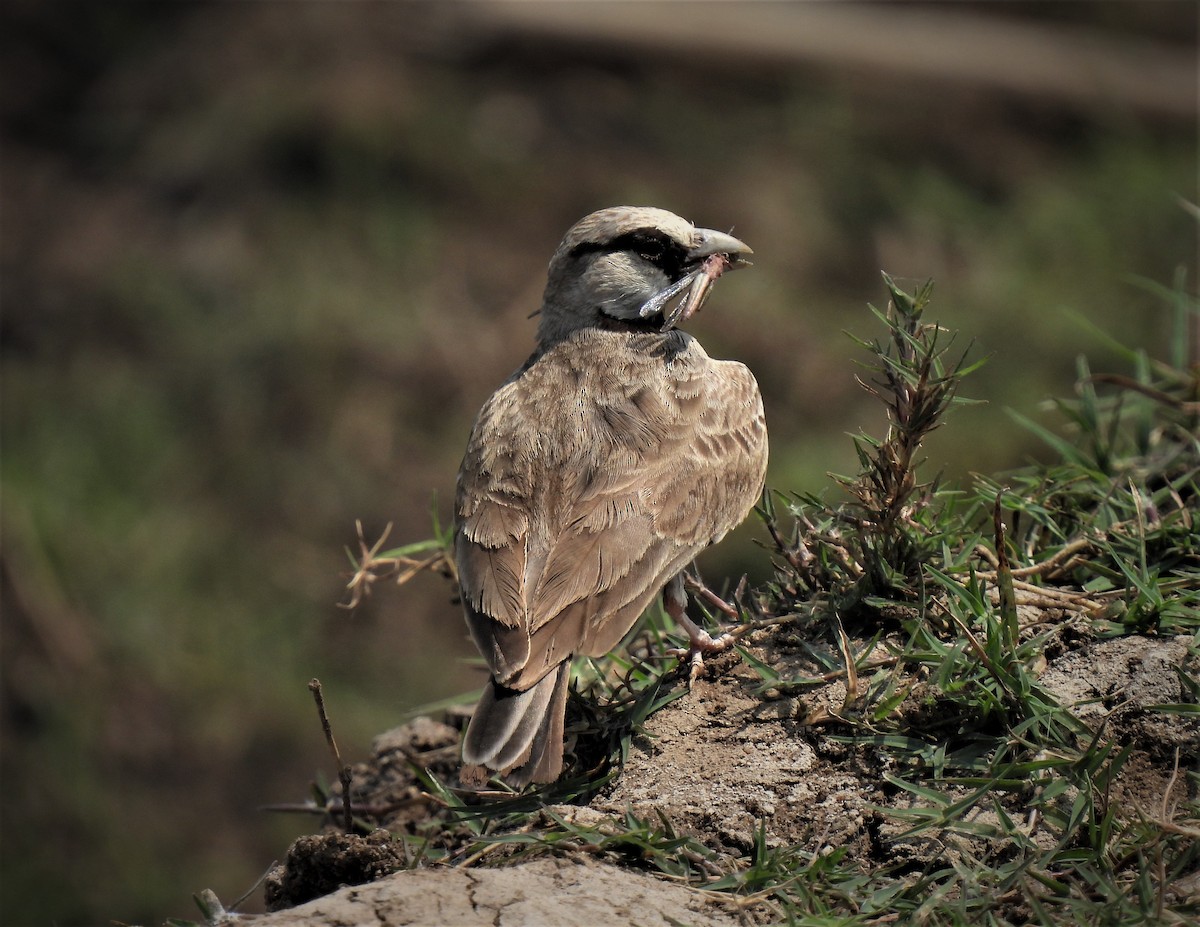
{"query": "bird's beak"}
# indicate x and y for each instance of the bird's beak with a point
(713, 254)
(710, 241)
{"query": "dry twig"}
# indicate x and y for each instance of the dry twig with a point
(314, 687)
(372, 567)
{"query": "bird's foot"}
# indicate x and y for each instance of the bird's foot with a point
(701, 643)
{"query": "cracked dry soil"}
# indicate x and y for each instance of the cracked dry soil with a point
(541, 891)
(718, 763)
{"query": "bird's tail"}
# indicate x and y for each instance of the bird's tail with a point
(522, 729)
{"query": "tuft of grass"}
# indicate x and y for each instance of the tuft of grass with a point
(971, 586)
(372, 563)
(872, 547)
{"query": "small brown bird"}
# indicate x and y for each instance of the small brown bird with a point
(595, 474)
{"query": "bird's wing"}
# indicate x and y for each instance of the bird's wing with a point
(586, 487)
(492, 508)
(717, 475)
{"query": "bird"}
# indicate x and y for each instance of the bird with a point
(597, 472)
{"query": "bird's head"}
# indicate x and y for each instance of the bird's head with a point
(633, 266)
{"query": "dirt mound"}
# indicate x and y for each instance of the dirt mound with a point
(731, 765)
(542, 891)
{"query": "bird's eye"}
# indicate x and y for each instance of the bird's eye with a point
(651, 249)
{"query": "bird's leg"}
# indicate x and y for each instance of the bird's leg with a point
(700, 641)
(697, 584)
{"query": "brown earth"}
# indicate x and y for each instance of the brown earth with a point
(719, 763)
(540, 891)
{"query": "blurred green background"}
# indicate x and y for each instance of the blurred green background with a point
(262, 263)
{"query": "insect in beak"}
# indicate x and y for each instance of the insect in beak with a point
(698, 284)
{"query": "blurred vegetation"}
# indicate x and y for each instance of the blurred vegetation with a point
(262, 265)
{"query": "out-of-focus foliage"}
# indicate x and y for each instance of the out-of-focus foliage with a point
(261, 264)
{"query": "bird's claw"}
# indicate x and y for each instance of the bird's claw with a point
(701, 643)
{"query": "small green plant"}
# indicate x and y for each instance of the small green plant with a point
(628, 839)
(978, 582)
(873, 547)
(1115, 515)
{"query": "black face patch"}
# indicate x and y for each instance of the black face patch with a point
(651, 245)
(651, 325)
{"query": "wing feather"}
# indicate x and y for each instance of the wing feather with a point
(586, 562)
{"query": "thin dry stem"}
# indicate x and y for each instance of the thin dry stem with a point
(372, 567)
(314, 687)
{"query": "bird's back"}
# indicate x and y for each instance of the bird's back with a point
(591, 478)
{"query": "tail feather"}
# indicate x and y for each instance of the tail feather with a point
(511, 727)
(546, 755)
